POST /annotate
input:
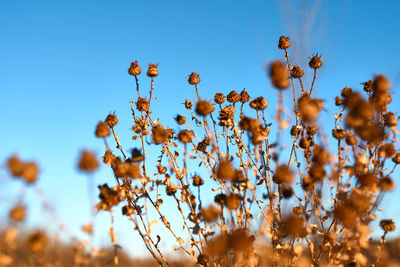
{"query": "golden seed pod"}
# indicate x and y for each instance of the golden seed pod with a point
(188, 104)
(134, 70)
(296, 72)
(197, 180)
(279, 75)
(210, 214)
(194, 78)
(387, 225)
(102, 130)
(111, 120)
(233, 97)
(18, 213)
(142, 104)
(259, 103)
(88, 162)
(152, 70)
(284, 42)
(219, 98)
(185, 136)
(180, 119)
(37, 241)
(203, 108)
(315, 62)
(283, 174)
(244, 96)
(381, 84)
(28, 171)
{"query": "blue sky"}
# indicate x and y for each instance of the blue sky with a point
(63, 67)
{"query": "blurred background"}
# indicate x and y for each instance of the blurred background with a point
(63, 68)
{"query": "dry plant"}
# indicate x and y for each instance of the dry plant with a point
(241, 200)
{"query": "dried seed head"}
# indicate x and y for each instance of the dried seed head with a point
(142, 104)
(136, 155)
(387, 225)
(259, 103)
(309, 108)
(188, 104)
(134, 70)
(226, 116)
(194, 78)
(18, 213)
(279, 75)
(111, 120)
(293, 226)
(387, 150)
(210, 214)
(390, 119)
(220, 199)
(102, 130)
(28, 171)
(152, 70)
(368, 86)
(202, 146)
(128, 210)
(244, 96)
(185, 136)
(338, 101)
(312, 129)
(109, 197)
(37, 241)
(339, 134)
(232, 201)
(283, 174)
(88, 161)
(219, 98)
(204, 108)
(296, 72)
(161, 135)
(351, 140)
(317, 172)
(287, 192)
(386, 184)
(233, 97)
(170, 190)
(203, 259)
(161, 169)
(180, 119)
(108, 157)
(225, 170)
(283, 43)
(315, 62)
(396, 158)
(295, 130)
(381, 84)
(197, 180)
(346, 92)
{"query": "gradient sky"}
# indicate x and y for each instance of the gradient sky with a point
(63, 67)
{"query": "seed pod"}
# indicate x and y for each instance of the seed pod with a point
(188, 104)
(185, 136)
(386, 184)
(279, 75)
(309, 108)
(338, 101)
(390, 119)
(233, 97)
(396, 158)
(368, 86)
(339, 134)
(111, 120)
(204, 108)
(244, 96)
(283, 174)
(194, 78)
(88, 162)
(152, 70)
(197, 180)
(311, 129)
(18, 213)
(219, 98)
(283, 43)
(351, 140)
(220, 199)
(259, 103)
(387, 150)
(297, 72)
(381, 84)
(134, 70)
(180, 119)
(315, 62)
(102, 130)
(387, 225)
(142, 104)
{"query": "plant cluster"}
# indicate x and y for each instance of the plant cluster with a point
(240, 198)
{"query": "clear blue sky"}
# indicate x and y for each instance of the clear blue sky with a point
(63, 67)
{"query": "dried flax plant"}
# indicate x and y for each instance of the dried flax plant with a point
(240, 199)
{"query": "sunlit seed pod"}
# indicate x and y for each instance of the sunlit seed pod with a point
(111, 120)
(284, 42)
(204, 108)
(102, 130)
(387, 225)
(88, 161)
(152, 70)
(233, 97)
(219, 98)
(142, 104)
(315, 62)
(194, 78)
(244, 96)
(135, 69)
(296, 72)
(279, 75)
